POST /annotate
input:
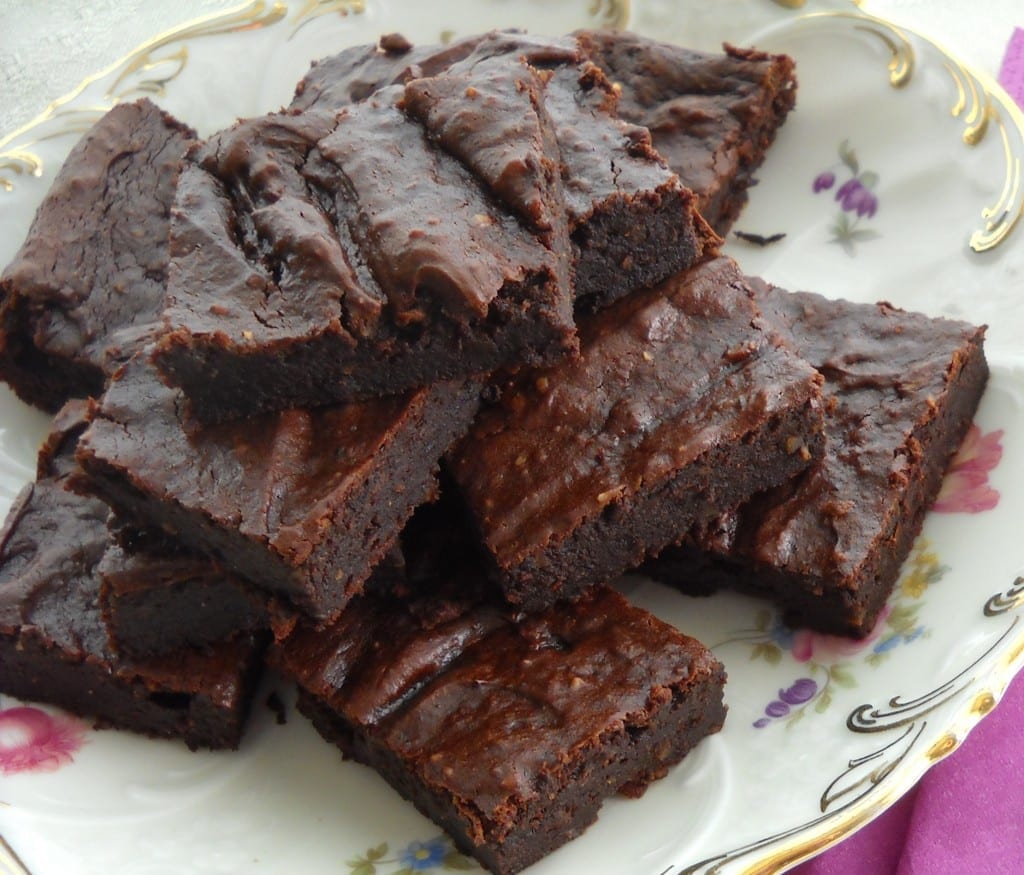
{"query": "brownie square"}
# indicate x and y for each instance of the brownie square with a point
(87, 286)
(711, 116)
(631, 222)
(53, 642)
(901, 389)
(156, 598)
(681, 405)
(302, 503)
(508, 730)
(319, 258)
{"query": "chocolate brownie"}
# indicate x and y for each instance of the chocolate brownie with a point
(901, 389)
(87, 286)
(508, 730)
(302, 503)
(53, 642)
(631, 221)
(681, 405)
(158, 598)
(320, 258)
(711, 116)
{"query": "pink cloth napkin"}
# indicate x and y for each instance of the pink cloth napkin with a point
(1011, 73)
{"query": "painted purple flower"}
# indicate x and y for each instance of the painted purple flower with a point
(32, 740)
(864, 202)
(800, 692)
(847, 191)
(824, 181)
(418, 856)
(855, 197)
(966, 488)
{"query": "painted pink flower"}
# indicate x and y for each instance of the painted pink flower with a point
(966, 488)
(33, 741)
(809, 645)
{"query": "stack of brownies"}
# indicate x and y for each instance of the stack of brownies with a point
(386, 388)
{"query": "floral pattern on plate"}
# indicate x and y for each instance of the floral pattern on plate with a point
(436, 854)
(966, 488)
(855, 196)
(832, 661)
(31, 740)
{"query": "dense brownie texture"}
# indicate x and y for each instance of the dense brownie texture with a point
(158, 598)
(320, 258)
(631, 221)
(680, 406)
(53, 642)
(901, 390)
(87, 286)
(303, 503)
(508, 730)
(711, 116)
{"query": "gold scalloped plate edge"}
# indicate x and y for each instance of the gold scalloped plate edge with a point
(9, 862)
(803, 842)
(982, 104)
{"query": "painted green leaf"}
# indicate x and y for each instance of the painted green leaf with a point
(377, 852)
(365, 867)
(849, 157)
(455, 860)
(824, 700)
(869, 179)
(846, 244)
(842, 676)
(841, 228)
(903, 618)
(770, 653)
(863, 234)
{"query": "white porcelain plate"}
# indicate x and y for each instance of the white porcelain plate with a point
(899, 178)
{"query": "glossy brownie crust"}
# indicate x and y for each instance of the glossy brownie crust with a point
(631, 222)
(325, 258)
(302, 504)
(901, 390)
(507, 730)
(711, 116)
(88, 283)
(681, 406)
(53, 642)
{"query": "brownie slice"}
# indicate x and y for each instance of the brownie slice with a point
(901, 390)
(87, 286)
(507, 730)
(156, 598)
(320, 258)
(302, 503)
(53, 642)
(711, 116)
(631, 222)
(681, 405)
